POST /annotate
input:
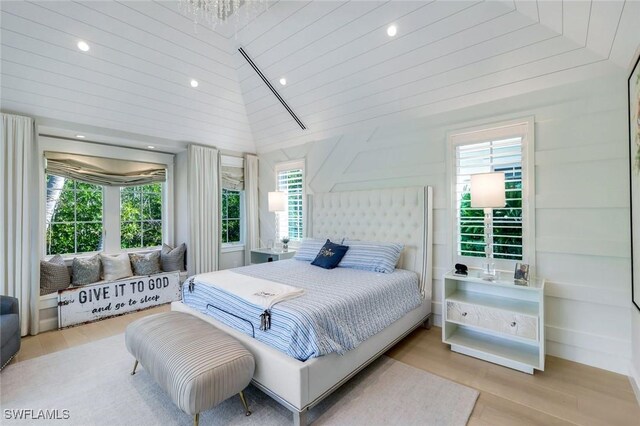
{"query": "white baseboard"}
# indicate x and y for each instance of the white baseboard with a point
(437, 320)
(634, 378)
(48, 324)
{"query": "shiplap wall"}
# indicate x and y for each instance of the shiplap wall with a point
(582, 201)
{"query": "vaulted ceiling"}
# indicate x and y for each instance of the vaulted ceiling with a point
(343, 71)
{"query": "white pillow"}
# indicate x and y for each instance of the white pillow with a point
(115, 267)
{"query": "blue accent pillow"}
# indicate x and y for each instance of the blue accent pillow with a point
(330, 255)
(372, 256)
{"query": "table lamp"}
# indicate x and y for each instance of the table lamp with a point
(277, 203)
(488, 192)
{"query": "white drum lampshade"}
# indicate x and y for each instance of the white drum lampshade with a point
(277, 201)
(487, 190)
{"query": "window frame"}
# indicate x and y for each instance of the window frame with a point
(483, 132)
(111, 194)
(293, 165)
(233, 246)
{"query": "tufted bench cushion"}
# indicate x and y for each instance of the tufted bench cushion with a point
(198, 365)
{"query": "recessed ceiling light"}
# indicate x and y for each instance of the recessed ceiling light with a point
(194, 83)
(82, 45)
(283, 81)
(392, 30)
(80, 136)
(151, 147)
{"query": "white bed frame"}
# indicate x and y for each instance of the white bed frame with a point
(398, 214)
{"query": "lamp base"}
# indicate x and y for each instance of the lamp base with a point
(488, 271)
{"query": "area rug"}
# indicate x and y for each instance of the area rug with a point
(91, 385)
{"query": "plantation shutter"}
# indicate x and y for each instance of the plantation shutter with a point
(103, 171)
(498, 155)
(232, 172)
(291, 181)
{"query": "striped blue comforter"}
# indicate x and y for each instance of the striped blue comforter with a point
(340, 308)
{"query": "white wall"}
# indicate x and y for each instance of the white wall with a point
(635, 350)
(582, 201)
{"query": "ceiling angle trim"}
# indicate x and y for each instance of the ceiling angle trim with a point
(262, 76)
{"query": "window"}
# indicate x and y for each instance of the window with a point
(503, 149)
(73, 216)
(76, 216)
(141, 216)
(231, 217)
(85, 207)
(290, 180)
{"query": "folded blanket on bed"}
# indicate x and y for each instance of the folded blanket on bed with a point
(257, 291)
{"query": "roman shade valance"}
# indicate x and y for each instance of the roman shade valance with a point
(232, 172)
(103, 171)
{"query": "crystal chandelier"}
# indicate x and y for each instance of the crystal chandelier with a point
(215, 12)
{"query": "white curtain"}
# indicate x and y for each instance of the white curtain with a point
(203, 165)
(251, 206)
(18, 219)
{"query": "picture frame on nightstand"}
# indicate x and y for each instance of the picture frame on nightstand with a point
(521, 273)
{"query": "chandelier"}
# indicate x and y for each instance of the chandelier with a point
(216, 12)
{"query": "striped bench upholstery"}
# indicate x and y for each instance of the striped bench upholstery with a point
(198, 365)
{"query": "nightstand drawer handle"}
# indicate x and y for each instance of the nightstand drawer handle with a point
(513, 324)
(464, 314)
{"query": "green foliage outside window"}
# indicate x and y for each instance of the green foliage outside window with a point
(507, 225)
(231, 219)
(141, 216)
(73, 216)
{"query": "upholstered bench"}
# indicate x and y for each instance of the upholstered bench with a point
(198, 365)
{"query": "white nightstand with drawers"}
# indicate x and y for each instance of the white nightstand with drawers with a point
(498, 321)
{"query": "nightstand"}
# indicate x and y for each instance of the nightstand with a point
(263, 255)
(499, 321)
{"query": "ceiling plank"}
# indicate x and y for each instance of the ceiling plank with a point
(603, 26)
(138, 99)
(495, 52)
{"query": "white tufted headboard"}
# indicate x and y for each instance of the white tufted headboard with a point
(400, 215)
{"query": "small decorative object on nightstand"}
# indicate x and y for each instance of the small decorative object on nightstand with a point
(285, 244)
(264, 255)
(500, 321)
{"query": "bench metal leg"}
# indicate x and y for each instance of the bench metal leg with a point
(300, 418)
(135, 365)
(196, 419)
(247, 412)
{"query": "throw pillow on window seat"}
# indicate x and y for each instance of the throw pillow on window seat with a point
(330, 255)
(146, 264)
(172, 259)
(85, 271)
(54, 275)
(115, 267)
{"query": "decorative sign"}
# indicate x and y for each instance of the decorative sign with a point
(97, 301)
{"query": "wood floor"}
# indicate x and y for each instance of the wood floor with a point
(565, 393)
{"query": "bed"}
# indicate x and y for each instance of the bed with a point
(398, 214)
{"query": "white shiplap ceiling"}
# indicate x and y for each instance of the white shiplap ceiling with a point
(343, 71)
